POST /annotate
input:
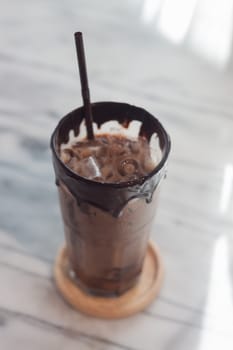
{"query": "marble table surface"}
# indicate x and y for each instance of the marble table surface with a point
(180, 69)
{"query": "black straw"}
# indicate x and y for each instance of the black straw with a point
(84, 84)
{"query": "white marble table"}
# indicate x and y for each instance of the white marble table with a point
(132, 58)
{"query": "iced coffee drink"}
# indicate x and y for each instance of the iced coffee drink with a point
(108, 190)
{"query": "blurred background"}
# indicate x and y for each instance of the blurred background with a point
(172, 57)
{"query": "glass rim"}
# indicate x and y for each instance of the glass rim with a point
(125, 184)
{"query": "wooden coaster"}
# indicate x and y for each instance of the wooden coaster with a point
(131, 302)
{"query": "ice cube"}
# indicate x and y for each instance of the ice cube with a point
(101, 151)
(107, 171)
(74, 165)
(128, 166)
(66, 155)
(89, 168)
(85, 152)
(135, 146)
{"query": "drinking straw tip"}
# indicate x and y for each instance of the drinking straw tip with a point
(77, 34)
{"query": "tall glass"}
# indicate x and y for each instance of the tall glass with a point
(107, 225)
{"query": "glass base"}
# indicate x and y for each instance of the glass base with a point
(107, 293)
(131, 302)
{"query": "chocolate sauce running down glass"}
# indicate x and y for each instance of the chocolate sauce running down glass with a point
(107, 221)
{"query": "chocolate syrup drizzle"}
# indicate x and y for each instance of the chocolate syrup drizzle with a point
(106, 196)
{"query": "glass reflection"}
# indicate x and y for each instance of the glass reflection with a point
(227, 187)
(205, 26)
(175, 18)
(219, 307)
(211, 31)
(150, 9)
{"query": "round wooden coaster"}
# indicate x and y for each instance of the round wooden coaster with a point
(131, 302)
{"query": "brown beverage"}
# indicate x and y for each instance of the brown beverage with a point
(108, 190)
(109, 158)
